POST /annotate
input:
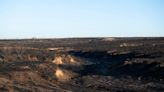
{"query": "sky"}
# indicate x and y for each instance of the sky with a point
(81, 18)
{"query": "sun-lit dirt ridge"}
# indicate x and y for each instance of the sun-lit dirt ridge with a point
(65, 59)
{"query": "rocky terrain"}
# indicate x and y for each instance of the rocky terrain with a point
(82, 65)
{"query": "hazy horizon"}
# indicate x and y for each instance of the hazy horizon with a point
(81, 18)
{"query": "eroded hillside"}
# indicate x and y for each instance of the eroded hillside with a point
(83, 65)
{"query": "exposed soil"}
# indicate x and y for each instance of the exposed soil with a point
(82, 65)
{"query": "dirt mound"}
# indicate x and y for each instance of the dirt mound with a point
(66, 66)
(66, 59)
(64, 75)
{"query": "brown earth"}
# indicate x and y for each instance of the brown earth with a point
(82, 65)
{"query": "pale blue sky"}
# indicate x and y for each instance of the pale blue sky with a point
(81, 18)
